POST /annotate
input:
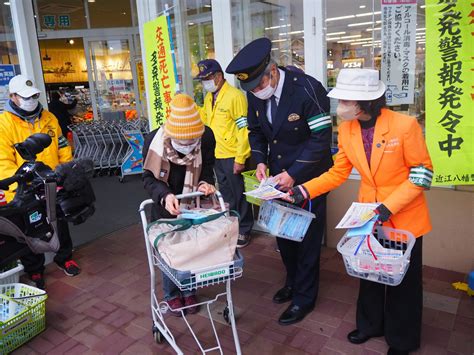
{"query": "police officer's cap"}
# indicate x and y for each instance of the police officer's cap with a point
(250, 63)
(207, 67)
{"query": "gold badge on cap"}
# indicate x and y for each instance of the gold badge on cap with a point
(29, 83)
(202, 67)
(242, 76)
(293, 117)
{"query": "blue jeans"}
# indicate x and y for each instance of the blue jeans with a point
(171, 291)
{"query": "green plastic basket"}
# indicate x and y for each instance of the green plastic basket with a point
(251, 183)
(23, 318)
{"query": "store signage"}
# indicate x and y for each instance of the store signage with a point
(160, 68)
(398, 50)
(7, 71)
(450, 90)
(50, 21)
(116, 85)
(133, 161)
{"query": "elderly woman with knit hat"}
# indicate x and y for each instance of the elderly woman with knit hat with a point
(179, 158)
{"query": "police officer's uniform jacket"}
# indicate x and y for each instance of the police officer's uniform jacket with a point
(298, 140)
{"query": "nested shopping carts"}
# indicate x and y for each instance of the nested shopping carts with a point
(106, 143)
(190, 281)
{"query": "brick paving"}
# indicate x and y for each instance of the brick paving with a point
(106, 310)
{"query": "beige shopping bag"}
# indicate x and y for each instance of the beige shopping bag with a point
(190, 245)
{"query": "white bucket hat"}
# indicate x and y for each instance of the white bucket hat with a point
(23, 86)
(358, 85)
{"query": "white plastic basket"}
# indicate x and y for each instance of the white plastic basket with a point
(11, 276)
(388, 271)
(283, 220)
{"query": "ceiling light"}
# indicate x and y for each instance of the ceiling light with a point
(90, 0)
(335, 33)
(368, 14)
(352, 36)
(362, 23)
(111, 48)
(374, 29)
(6, 3)
(421, 29)
(207, 5)
(274, 27)
(422, 6)
(362, 7)
(279, 40)
(191, 23)
(291, 33)
(339, 18)
(332, 38)
(71, 41)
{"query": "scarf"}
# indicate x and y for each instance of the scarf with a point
(161, 154)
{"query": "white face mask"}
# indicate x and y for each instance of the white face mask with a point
(28, 105)
(184, 149)
(266, 92)
(209, 85)
(348, 111)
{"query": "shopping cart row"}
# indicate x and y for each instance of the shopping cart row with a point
(105, 142)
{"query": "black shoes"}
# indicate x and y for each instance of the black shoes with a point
(283, 295)
(356, 337)
(294, 314)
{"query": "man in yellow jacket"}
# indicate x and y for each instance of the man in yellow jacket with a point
(23, 116)
(225, 112)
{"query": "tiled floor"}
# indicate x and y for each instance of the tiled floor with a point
(106, 309)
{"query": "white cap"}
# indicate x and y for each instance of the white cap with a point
(23, 86)
(358, 85)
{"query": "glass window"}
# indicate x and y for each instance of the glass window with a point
(281, 21)
(108, 14)
(61, 14)
(353, 36)
(9, 65)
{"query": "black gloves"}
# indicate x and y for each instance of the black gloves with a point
(298, 194)
(383, 213)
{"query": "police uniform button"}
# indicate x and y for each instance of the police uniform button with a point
(379, 145)
(283, 170)
(296, 128)
(279, 156)
(275, 141)
(383, 141)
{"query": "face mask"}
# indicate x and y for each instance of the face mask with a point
(28, 105)
(184, 149)
(349, 111)
(209, 85)
(266, 92)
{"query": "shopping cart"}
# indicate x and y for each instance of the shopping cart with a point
(191, 280)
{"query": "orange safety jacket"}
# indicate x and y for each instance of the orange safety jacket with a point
(400, 169)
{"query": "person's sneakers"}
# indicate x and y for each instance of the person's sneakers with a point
(70, 268)
(243, 241)
(174, 304)
(38, 280)
(189, 301)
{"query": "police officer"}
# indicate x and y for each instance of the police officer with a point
(225, 112)
(290, 133)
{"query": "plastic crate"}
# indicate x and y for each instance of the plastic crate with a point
(284, 220)
(26, 315)
(251, 183)
(382, 270)
(12, 275)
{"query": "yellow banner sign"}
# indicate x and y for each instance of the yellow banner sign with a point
(450, 90)
(160, 69)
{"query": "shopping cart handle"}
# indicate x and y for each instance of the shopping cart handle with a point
(195, 194)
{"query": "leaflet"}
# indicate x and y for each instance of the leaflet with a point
(357, 215)
(267, 190)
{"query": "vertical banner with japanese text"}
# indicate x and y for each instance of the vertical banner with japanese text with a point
(398, 50)
(160, 69)
(450, 90)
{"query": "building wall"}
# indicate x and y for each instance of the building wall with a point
(450, 245)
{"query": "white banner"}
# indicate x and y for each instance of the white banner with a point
(398, 50)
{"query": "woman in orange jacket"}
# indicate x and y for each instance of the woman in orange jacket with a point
(388, 149)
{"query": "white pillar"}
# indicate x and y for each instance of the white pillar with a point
(315, 55)
(146, 10)
(223, 40)
(27, 44)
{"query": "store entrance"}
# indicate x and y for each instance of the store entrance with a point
(112, 78)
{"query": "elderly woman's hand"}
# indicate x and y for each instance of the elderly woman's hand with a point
(206, 189)
(172, 204)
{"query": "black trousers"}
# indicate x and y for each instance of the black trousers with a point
(302, 259)
(232, 189)
(394, 311)
(34, 263)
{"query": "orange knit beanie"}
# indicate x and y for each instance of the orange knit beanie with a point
(184, 121)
